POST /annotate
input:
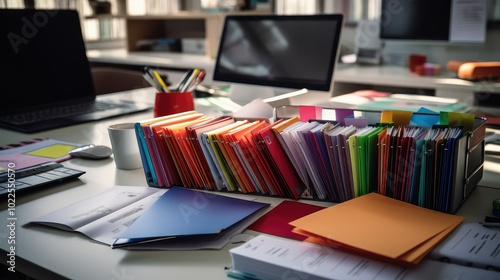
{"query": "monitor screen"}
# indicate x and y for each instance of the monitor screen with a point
(284, 51)
(415, 20)
(443, 21)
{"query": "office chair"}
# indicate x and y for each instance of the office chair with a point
(109, 79)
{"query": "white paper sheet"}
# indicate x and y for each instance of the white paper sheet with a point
(105, 215)
(468, 21)
(471, 244)
(270, 257)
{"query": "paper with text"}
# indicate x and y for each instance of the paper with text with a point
(104, 216)
(269, 257)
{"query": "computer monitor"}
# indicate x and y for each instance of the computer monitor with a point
(416, 20)
(263, 56)
(430, 21)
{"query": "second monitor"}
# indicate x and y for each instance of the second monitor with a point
(266, 55)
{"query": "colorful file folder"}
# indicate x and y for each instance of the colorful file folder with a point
(393, 153)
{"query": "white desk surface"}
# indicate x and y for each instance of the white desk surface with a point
(401, 77)
(358, 74)
(42, 251)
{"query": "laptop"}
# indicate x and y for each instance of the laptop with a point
(45, 76)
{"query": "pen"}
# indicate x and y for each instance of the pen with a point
(490, 219)
(150, 78)
(197, 81)
(151, 81)
(184, 79)
(160, 80)
(490, 224)
(192, 78)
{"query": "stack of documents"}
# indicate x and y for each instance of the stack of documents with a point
(380, 227)
(471, 244)
(150, 218)
(266, 257)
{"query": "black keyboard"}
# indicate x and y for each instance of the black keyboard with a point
(29, 178)
(58, 112)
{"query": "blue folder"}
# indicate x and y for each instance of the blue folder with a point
(185, 213)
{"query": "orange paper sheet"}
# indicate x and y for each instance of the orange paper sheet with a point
(398, 117)
(380, 225)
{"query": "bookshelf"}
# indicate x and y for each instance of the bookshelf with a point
(144, 30)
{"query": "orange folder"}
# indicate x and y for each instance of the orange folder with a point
(376, 225)
(243, 163)
(239, 172)
(176, 138)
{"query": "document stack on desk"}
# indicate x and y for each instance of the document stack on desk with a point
(148, 218)
(471, 244)
(267, 257)
(372, 237)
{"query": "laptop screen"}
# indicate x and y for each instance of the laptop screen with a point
(43, 59)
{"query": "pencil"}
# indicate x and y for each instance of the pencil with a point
(160, 80)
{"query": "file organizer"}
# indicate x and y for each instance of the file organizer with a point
(468, 158)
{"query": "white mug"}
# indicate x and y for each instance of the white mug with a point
(124, 145)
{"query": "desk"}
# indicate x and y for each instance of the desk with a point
(348, 78)
(48, 253)
(175, 61)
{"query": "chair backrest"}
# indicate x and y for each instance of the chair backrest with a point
(109, 79)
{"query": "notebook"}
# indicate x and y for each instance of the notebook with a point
(44, 66)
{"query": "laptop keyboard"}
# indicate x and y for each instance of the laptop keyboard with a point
(58, 112)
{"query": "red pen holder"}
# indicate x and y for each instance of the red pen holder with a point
(172, 103)
(414, 60)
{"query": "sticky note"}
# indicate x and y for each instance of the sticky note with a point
(356, 122)
(397, 117)
(341, 114)
(53, 151)
(307, 113)
(427, 120)
(400, 117)
(461, 119)
(386, 117)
